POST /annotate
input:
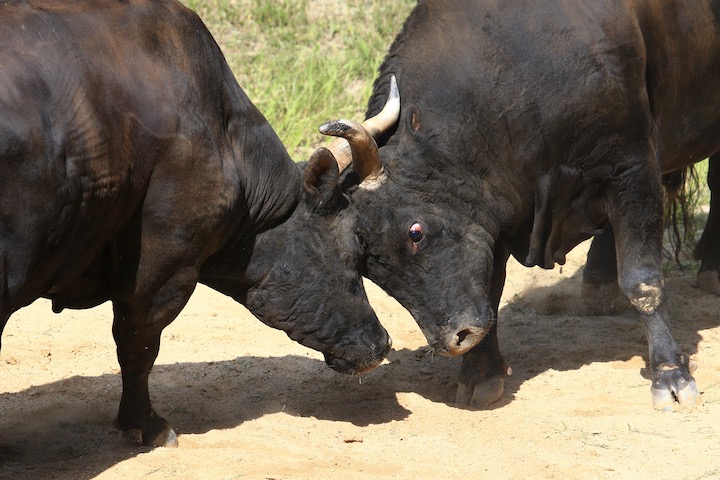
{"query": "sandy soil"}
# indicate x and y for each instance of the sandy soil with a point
(249, 403)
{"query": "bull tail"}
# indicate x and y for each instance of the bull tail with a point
(682, 192)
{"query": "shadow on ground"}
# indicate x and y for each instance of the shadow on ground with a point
(72, 418)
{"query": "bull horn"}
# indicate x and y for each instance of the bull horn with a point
(341, 147)
(363, 151)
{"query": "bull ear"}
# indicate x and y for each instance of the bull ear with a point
(414, 121)
(321, 179)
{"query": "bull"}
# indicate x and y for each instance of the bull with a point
(526, 128)
(132, 166)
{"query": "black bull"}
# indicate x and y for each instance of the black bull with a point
(526, 128)
(132, 166)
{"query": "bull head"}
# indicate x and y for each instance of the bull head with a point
(451, 332)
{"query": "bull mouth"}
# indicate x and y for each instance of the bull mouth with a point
(347, 362)
(342, 366)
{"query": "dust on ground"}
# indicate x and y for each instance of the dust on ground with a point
(249, 403)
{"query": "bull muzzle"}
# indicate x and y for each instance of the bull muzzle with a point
(358, 359)
(464, 340)
(461, 333)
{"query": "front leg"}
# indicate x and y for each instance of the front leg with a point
(636, 210)
(482, 375)
(138, 344)
(671, 372)
(142, 309)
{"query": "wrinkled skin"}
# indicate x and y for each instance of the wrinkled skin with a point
(133, 166)
(526, 128)
(464, 324)
(285, 273)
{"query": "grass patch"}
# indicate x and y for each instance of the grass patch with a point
(304, 62)
(690, 229)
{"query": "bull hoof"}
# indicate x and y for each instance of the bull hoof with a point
(166, 438)
(134, 436)
(709, 282)
(482, 395)
(672, 387)
(667, 400)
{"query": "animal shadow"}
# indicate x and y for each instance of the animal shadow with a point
(550, 328)
(45, 425)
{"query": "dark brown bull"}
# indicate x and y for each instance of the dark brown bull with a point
(526, 128)
(132, 166)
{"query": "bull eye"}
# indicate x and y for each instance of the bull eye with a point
(416, 232)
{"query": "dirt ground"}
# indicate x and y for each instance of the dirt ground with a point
(249, 403)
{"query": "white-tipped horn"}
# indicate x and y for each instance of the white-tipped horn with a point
(374, 126)
(390, 113)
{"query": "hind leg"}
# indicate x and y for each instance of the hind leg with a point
(16, 291)
(5, 310)
(600, 291)
(4, 317)
(708, 248)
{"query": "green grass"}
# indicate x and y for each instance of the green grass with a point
(304, 62)
(704, 192)
(698, 199)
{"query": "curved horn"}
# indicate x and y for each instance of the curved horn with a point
(390, 113)
(374, 126)
(363, 151)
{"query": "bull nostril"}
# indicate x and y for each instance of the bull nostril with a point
(461, 336)
(464, 340)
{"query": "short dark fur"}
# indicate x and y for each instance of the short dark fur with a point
(132, 166)
(526, 128)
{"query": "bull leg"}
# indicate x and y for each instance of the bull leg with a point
(636, 209)
(5, 310)
(482, 374)
(600, 291)
(4, 317)
(138, 345)
(152, 284)
(708, 248)
(137, 328)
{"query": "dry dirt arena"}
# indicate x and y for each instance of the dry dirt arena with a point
(249, 403)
